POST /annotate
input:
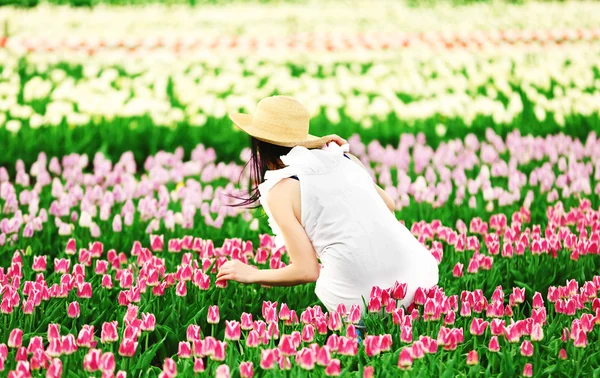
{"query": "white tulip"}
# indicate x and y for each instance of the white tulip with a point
(14, 125)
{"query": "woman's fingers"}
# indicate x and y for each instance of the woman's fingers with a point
(225, 277)
(337, 139)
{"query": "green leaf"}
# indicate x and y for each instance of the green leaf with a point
(146, 358)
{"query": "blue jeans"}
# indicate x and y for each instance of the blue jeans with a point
(360, 329)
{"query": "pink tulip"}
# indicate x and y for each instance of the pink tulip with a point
(71, 247)
(107, 362)
(472, 358)
(193, 332)
(537, 333)
(185, 350)
(86, 337)
(181, 290)
(406, 335)
(198, 365)
(246, 323)
(458, 270)
(335, 322)
(169, 367)
(253, 339)
(347, 347)
(580, 340)
(91, 361)
(478, 326)
(39, 263)
(109, 332)
(232, 330)
(526, 348)
(334, 368)
(305, 358)
(15, 339)
(267, 359)
(157, 242)
(73, 310)
(538, 301)
(127, 347)
(213, 315)
(54, 369)
(69, 344)
(246, 369)
(84, 290)
(148, 322)
(404, 359)
(284, 312)
(368, 372)
(494, 346)
(528, 370)
(222, 371)
(107, 282)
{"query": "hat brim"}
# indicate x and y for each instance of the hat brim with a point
(244, 122)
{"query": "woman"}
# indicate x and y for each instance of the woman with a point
(322, 204)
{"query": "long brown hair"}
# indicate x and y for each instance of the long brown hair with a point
(264, 156)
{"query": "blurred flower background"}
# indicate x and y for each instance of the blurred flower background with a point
(479, 118)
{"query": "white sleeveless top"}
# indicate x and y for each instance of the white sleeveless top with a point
(359, 242)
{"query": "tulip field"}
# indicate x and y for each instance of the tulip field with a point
(118, 165)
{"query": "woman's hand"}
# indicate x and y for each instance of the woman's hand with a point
(337, 139)
(235, 270)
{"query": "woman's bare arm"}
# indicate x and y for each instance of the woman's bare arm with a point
(305, 266)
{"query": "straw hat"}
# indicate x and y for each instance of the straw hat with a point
(280, 120)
